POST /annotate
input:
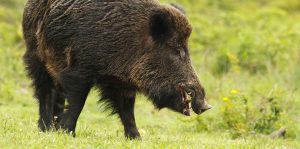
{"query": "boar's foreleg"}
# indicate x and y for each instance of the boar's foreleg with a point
(121, 98)
(76, 84)
(59, 104)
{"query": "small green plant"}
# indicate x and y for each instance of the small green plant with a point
(235, 114)
(242, 117)
(269, 114)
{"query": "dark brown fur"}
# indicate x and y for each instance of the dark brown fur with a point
(121, 46)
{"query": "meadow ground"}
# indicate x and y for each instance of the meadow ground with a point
(247, 55)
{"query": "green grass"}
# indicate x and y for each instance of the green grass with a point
(249, 46)
(162, 129)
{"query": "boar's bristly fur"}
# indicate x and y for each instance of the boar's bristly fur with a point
(120, 46)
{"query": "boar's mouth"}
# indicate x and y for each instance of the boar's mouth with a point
(191, 101)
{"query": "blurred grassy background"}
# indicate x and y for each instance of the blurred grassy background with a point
(247, 54)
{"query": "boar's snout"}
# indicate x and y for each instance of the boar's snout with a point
(197, 99)
(200, 105)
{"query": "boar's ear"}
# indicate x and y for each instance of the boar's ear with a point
(160, 26)
(178, 7)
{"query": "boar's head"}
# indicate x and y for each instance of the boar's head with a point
(164, 71)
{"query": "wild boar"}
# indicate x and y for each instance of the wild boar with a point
(120, 46)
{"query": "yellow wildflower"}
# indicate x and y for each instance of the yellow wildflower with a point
(234, 91)
(225, 99)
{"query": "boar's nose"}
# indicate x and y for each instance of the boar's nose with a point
(200, 106)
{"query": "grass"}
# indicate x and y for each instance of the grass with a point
(249, 47)
(163, 129)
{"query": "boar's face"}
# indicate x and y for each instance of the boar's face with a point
(164, 71)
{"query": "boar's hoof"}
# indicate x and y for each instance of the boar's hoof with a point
(133, 135)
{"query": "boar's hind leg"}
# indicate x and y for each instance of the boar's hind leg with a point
(43, 84)
(76, 84)
(122, 100)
